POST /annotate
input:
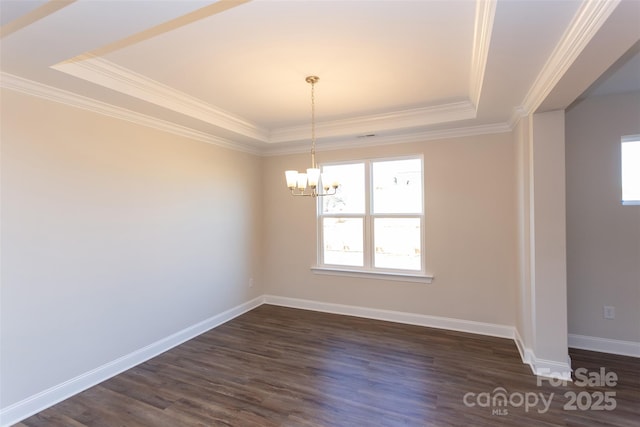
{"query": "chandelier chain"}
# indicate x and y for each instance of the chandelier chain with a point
(299, 182)
(313, 124)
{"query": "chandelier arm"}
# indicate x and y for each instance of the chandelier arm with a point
(314, 193)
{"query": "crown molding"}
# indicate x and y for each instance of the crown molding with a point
(40, 12)
(30, 87)
(485, 14)
(40, 90)
(585, 24)
(516, 115)
(404, 119)
(424, 136)
(115, 77)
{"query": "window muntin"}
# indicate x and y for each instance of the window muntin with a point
(630, 170)
(375, 222)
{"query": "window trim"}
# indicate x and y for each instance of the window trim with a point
(368, 270)
(623, 140)
(366, 274)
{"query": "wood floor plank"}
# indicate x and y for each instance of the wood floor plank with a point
(276, 366)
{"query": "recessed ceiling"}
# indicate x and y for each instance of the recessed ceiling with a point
(233, 71)
(622, 76)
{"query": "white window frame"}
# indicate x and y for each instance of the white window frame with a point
(627, 139)
(368, 270)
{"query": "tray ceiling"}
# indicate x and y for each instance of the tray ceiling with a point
(233, 71)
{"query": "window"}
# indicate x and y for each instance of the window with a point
(374, 223)
(630, 168)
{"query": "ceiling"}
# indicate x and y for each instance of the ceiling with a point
(233, 72)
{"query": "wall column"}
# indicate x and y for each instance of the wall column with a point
(543, 263)
(547, 232)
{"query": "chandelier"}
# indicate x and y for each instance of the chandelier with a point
(307, 184)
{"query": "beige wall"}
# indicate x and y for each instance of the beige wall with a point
(471, 244)
(114, 236)
(603, 237)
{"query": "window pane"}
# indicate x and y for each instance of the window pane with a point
(397, 186)
(343, 241)
(397, 243)
(631, 171)
(350, 196)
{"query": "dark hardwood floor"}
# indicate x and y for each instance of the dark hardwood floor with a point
(278, 366)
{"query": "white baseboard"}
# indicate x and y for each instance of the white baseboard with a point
(551, 368)
(605, 345)
(543, 367)
(540, 367)
(460, 325)
(40, 401)
(526, 354)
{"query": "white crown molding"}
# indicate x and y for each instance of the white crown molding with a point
(404, 119)
(113, 76)
(29, 87)
(485, 14)
(516, 115)
(585, 24)
(423, 136)
(32, 88)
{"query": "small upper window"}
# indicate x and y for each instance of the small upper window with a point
(630, 154)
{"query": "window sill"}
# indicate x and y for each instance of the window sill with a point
(631, 203)
(382, 275)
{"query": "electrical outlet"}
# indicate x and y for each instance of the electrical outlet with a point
(609, 312)
(251, 282)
